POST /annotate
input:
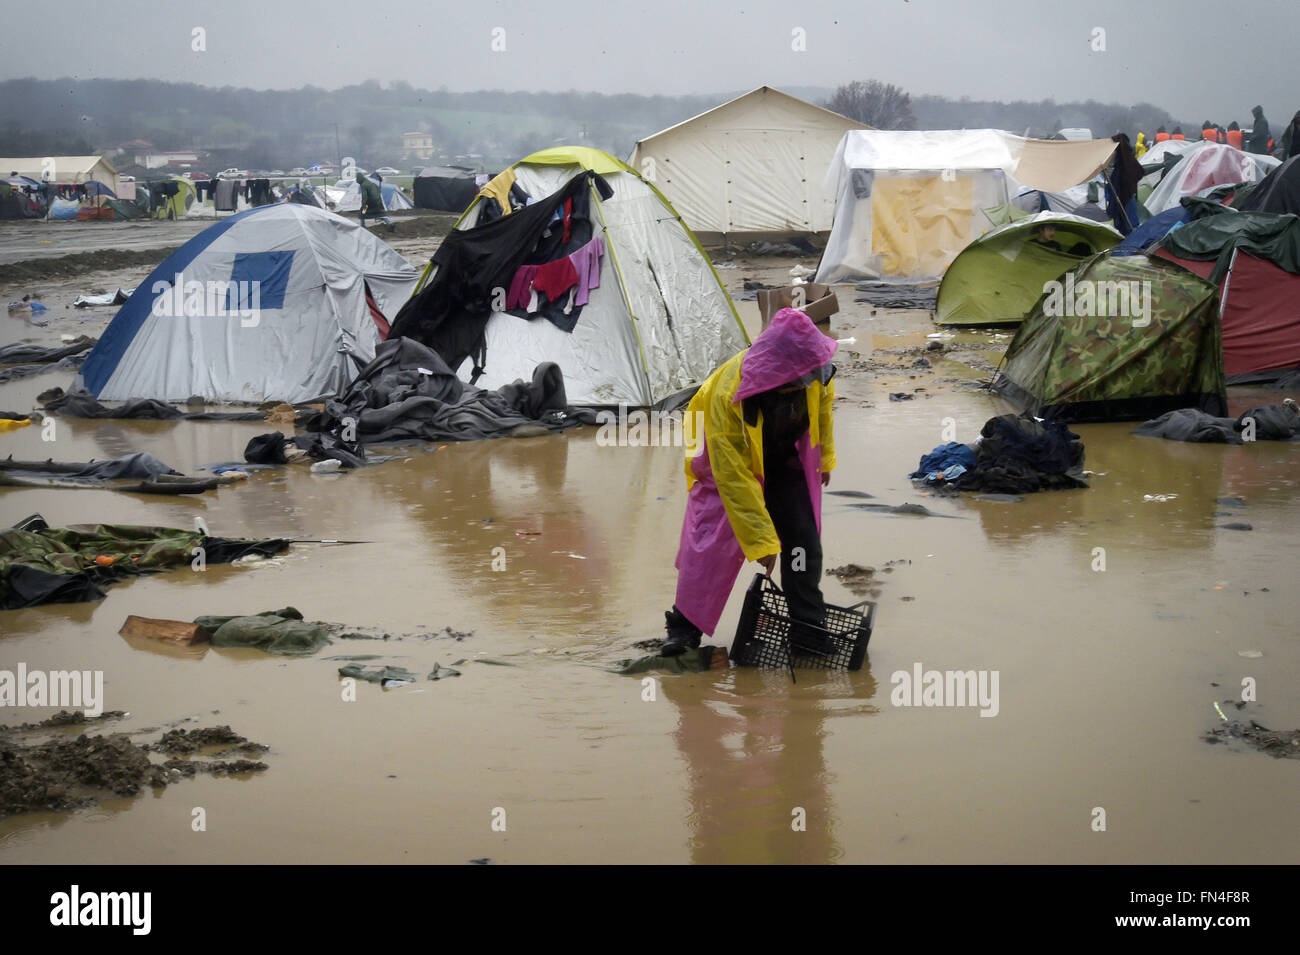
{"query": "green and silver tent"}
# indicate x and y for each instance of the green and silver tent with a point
(1119, 338)
(997, 278)
(660, 320)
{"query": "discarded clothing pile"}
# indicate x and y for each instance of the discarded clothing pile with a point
(450, 314)
(1015, 454)
(141, 464)
(82, 404)
(1269, 423)
(275, 448)
(885, 295)
(408, 393)
(947, 462)
(41, 564)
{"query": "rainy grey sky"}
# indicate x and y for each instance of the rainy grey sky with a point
(1196, 58)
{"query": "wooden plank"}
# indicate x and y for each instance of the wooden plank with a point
(178, 632)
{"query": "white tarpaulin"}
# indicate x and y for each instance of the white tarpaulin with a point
(909, 201)
(1205, 166)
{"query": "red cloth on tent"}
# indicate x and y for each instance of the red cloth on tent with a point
(1261, 313)
(380, 322)
(555, 278)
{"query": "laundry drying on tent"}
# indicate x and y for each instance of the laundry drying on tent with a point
(284, 302)
(1106, 354)
(997, 278)
(570, 257)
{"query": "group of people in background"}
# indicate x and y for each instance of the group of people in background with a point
(1258, 139)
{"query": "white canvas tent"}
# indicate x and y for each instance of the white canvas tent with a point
(63, 170)
(191, 329)
(756, 164)
(660, 320)
(907, 202)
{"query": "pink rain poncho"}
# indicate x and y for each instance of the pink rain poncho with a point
(726, 518)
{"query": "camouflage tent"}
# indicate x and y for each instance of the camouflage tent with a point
(1118, 338)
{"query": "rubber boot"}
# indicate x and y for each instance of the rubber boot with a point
(682, 634)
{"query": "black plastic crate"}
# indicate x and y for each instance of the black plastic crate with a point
(763, 633)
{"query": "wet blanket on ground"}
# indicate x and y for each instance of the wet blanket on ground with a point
(408, 393)
(1269, 423)
(71, 564)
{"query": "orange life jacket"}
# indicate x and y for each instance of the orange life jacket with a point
(1161, 137)
(1177, 136)
(1234, 138)
(1210, 135)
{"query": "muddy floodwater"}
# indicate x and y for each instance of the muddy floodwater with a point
(1113, 623)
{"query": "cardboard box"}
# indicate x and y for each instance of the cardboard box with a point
(818, 302)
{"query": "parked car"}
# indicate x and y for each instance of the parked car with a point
(298, 171)
(233, 173)
(388, 171)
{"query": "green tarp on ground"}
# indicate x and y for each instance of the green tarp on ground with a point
(1121, 364)
(1266, 235)
(282, 632)
(997, 278)
(71, 564)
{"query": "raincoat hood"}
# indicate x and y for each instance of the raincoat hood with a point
(789, 348)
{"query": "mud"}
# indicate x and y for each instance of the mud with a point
(65, 774)
(589, 770)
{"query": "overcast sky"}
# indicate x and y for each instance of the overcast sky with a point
(1197, 58)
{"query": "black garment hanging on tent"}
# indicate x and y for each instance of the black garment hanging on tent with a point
(451, 312)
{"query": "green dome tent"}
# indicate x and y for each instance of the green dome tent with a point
(1121, 338)
(997, 278)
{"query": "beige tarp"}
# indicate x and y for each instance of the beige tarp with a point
(1054, 166)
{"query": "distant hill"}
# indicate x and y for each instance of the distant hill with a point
(286, 128)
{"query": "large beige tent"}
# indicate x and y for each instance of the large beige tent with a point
(756, 164)
(63, 170)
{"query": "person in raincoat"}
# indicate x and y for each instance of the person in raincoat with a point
(1140, 147)
(372, 202)
(760, 448)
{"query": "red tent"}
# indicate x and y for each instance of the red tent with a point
(1260, 313)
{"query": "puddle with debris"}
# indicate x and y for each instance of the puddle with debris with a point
(1105, 675)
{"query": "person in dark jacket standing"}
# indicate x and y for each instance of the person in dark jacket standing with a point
(1291, 138)
(1257, 141)
(372, 202)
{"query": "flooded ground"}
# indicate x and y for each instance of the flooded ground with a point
(1107, 678)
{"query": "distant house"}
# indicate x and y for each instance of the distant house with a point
(417, 145)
